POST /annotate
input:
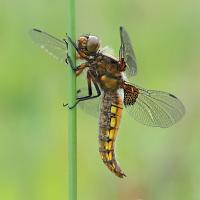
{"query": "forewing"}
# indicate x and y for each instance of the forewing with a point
(156, 108)
(53, 46)
(128, 53)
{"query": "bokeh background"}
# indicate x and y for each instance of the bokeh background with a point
(160, 163)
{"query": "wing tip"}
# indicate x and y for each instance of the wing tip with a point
(35, 29)
(121, 28)
(171, 95)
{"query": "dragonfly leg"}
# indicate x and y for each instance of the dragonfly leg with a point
(67, 49)
(66, 43)
(68, 57)
(72, 43)
(70, 62)
(90, 80)
(66, 104)
(77, 69)
(70, 107)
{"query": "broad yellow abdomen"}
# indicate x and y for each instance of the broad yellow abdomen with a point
(109, 120)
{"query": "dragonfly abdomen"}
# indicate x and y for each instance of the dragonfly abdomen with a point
(109, 120)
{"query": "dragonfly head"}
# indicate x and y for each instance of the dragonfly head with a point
(89, 44)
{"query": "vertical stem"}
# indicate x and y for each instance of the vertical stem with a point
(71, 83)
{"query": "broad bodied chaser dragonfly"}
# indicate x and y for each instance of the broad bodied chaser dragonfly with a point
(109, 75)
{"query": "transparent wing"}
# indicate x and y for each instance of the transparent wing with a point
(91, 106)
(156, 108)
(128, 53)
(106, 50)
(53, 46)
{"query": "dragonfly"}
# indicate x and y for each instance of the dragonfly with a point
(109, 91)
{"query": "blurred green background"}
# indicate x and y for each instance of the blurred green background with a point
(161, 164)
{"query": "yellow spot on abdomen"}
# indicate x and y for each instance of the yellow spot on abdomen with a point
(107, 156)
(110, 145)
(106, 145)
(112, 121)
(110, 156)
(113, 109)
(112, 133)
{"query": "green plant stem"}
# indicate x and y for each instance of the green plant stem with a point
(71, 83)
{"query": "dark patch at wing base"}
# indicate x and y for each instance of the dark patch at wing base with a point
(156, 108)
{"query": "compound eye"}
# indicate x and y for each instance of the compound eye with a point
(93, 44)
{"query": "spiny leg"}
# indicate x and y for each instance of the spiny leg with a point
(74, 68)
(68, 60)
(78, 70)
(66, 43)
(90, 80)
(72, 43)
(81, 98)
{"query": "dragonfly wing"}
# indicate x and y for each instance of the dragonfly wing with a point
(53, 46)
(128, 53)
(156, 108)
(91, 106)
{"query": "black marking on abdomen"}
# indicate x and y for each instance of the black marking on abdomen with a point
(110, 115)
